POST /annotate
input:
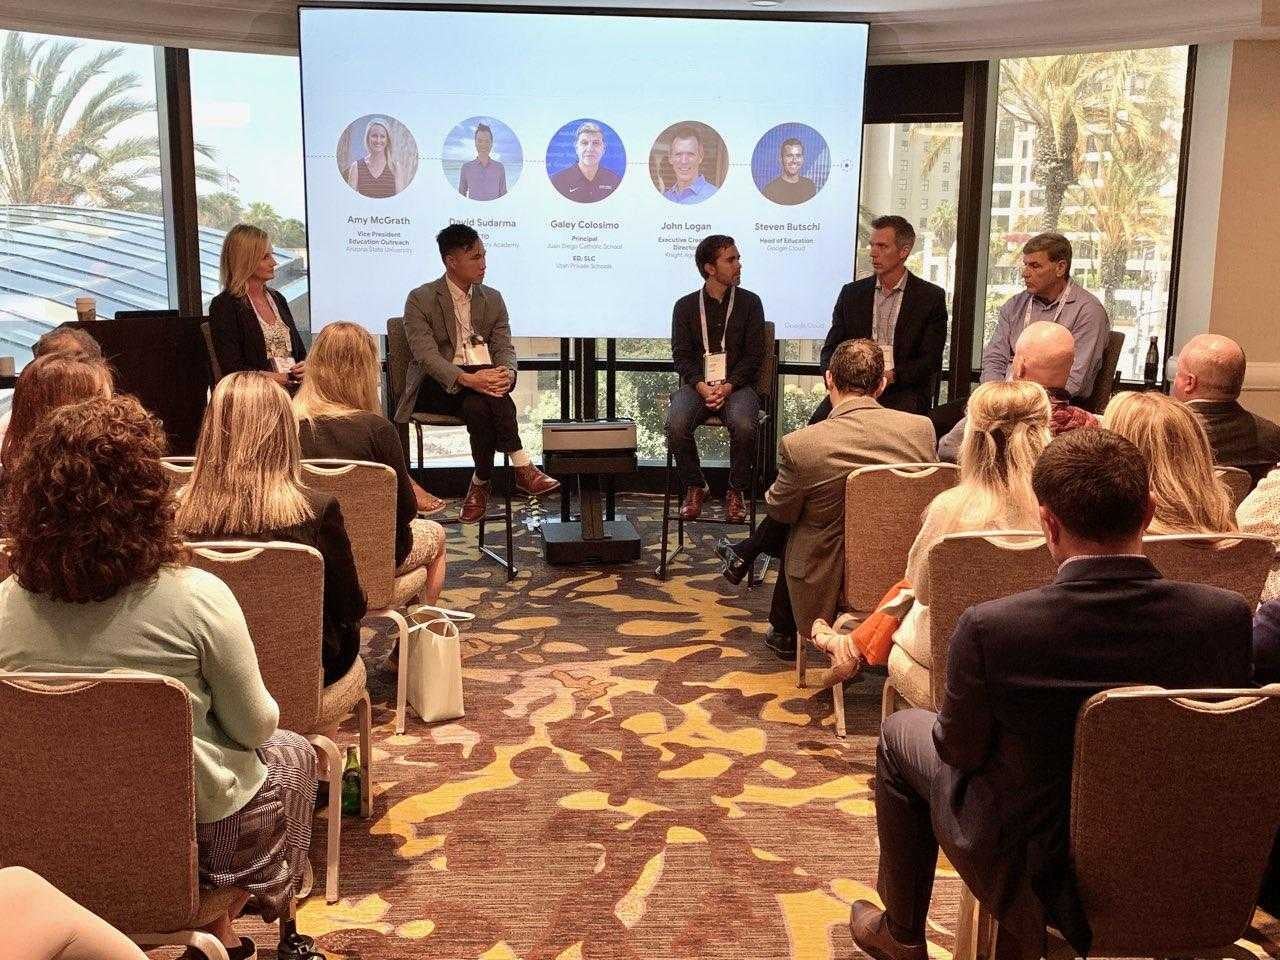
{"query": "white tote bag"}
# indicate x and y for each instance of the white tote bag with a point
(435, 666)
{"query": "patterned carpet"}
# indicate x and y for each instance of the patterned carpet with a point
(636, 778)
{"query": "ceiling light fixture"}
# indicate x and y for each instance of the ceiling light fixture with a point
(766, 3)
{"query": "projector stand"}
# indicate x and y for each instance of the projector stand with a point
(591, 539)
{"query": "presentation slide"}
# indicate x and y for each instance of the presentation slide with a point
(591, 153)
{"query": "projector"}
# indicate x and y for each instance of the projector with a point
(589, 436)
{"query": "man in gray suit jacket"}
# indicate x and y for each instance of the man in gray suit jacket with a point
(464, 364)
(813, 462)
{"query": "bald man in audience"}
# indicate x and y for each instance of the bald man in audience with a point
(988, 777)
(1209, 379)
(1043, 354)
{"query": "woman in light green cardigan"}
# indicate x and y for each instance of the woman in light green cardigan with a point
(100, 584)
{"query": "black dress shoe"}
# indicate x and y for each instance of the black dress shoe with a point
(735, 567)
(783, 644)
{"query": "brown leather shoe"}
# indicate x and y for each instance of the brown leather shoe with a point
(477, 502)
(531, 480)
(735, 508)
(693, 498)
(870, 929)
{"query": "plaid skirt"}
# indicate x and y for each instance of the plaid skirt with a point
(262, 847)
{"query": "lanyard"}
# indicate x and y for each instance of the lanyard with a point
(1062, 300)
(702, 315)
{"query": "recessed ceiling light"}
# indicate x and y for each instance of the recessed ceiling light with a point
(766, 3)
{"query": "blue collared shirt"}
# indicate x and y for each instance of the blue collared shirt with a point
(1081, 313)
(695, 192)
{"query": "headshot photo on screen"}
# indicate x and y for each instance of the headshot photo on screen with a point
(377, 156)
(790, 163)
(586, 160)
(688, 162)
(482, 158)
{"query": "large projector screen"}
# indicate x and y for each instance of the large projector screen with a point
(590, 152)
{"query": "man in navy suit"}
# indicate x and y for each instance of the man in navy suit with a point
(907, 316)
(989, 776)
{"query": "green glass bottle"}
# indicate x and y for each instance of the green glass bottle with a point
(351, 784)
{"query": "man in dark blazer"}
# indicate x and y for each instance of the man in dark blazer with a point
(907, 316)
(464, 365)
(989, 776)
(1209, 379)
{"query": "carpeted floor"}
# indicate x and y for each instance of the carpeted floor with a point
(636, 778)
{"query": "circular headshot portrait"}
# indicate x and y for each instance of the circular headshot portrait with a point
(586, 160)
(377, 156)
(688, 162)
(482, 158)
(790, 163)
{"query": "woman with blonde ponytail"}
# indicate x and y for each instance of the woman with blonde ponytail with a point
(1006, 430)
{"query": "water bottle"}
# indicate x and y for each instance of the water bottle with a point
(351, 784)
(1151, 369)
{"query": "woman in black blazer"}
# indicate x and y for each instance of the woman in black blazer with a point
(251, 324)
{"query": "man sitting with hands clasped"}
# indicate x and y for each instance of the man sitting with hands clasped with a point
(717, 342)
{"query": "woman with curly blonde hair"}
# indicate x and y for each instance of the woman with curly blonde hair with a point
(1189, 496)
(100, 583)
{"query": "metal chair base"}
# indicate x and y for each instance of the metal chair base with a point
(505, 516)
(667, 556)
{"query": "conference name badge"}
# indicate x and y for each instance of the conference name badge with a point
(714, 367)
(477, 353)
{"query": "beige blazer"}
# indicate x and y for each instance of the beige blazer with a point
(808, 494)
(430, 325)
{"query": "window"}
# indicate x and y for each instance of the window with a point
(248, 129)
(82, 209)
(1117, 209)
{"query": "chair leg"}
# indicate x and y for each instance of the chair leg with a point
(421, 452)
(837, 698)
(402, 669)
(888, 699)
(966, 947)
(206, 944)
(364, 717)
(333, 774)
(666, 521)
(802, 657)
(510, 480)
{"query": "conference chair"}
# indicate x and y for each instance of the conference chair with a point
(1105, 382)
(963, 569)
(884, 505)
(766, 388)
(215, 368)
(367, 494)
(1239, 483)
(1174, 806)
(1233, 561)
(5, 568)
(99, 800)
(398, 357)
(280, 589)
